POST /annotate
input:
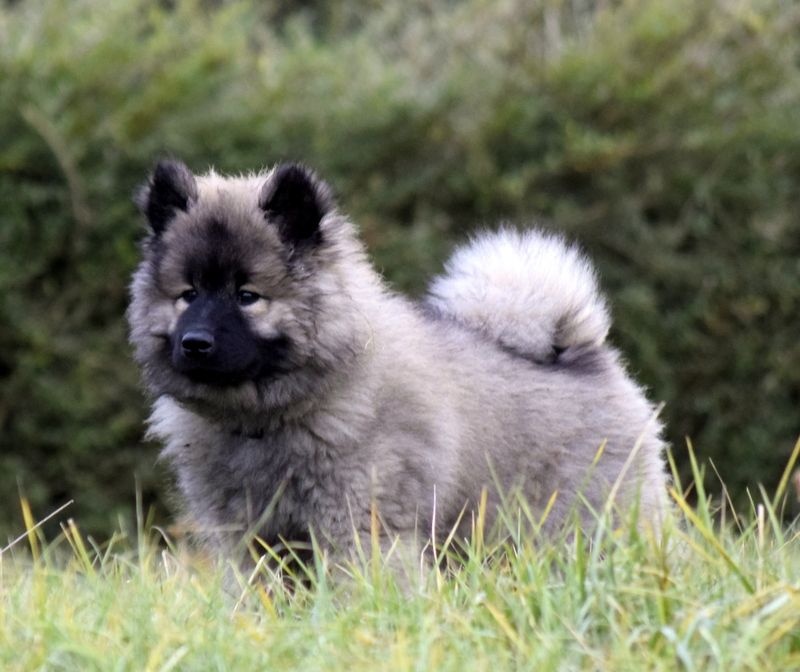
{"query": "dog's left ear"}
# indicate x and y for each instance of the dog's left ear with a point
(295, 200)
(171, 188)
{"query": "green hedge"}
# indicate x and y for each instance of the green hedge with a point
(663, 134)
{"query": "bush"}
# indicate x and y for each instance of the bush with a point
(662, 134)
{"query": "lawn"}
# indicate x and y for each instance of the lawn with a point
(713, 590)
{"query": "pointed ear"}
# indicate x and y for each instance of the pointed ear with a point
(296, 201)
(171, 188)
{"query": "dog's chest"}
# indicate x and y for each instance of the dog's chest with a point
(280, 483)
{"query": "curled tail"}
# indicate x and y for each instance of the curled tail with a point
(531, 291)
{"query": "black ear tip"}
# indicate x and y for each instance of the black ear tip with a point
(293, 171)
(296, 201)
(167, 168)
(174, 174)
(296, 179)
(170, 187)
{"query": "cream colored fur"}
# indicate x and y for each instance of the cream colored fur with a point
(528, 290)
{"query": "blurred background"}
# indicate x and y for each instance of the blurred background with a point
(664, 135)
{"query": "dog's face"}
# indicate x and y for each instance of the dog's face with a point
(231, 299)
(223, 328)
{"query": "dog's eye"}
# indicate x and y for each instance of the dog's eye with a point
(189, 295)
(246, 298)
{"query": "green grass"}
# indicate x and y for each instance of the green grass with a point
(714, 591)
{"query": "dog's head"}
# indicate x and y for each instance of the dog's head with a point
(241, 293)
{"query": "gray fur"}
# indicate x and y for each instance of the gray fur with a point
(410, 409)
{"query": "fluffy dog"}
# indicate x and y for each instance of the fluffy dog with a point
(295, 394)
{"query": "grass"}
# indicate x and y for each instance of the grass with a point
(714, 591)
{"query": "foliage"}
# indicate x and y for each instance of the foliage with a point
(662, 134)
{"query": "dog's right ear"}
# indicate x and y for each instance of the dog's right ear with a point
(170, 188)
(295, 200)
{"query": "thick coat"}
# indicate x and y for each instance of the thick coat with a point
(328, 398)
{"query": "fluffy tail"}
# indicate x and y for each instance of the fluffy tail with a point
(530, 291)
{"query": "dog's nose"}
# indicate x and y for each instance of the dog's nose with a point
(197, 343)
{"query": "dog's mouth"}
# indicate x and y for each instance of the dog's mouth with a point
(215, 377)
(229, 368)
